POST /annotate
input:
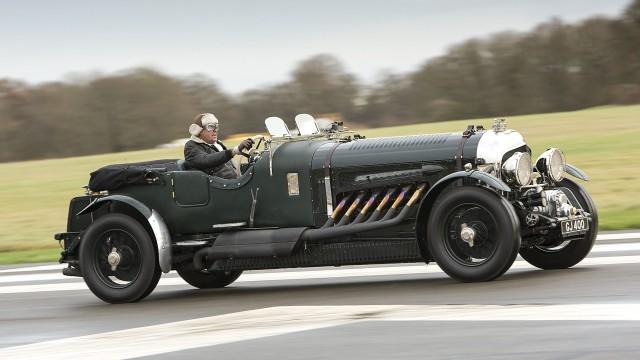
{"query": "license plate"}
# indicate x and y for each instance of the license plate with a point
(574, 226)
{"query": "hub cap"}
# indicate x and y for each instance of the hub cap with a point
(467, 234)
(114, 259)
(470, 237)
(118, 258)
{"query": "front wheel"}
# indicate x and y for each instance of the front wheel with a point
(559, 254)
(118, 259)
(473, 234)
(206, 279)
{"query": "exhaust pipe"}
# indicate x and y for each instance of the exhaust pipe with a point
(366, 207)
(376, 213)
(394, 206)
(331, 220)
(312, 235)
(249, 243)
(352, 208)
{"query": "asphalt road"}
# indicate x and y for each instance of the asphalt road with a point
(399, 311)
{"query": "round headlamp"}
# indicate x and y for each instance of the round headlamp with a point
(517, 169)
(551, 164)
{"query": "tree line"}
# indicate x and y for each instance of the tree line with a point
(555, 67)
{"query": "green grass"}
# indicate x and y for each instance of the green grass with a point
(604, 142)
(30, 256)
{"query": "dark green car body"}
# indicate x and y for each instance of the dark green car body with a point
(285, 208)
(193, 202)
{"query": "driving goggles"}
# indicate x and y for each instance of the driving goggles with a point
(211, 127)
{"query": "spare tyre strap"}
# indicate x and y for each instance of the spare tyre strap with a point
(465, 135)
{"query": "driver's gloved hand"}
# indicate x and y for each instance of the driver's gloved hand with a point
(244, 145)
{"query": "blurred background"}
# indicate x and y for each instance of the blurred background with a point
(82, 78)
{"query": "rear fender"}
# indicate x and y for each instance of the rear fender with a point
(434, 191)
(155, 222)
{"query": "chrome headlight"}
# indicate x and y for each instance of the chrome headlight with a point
(551, 164)
(517, 169)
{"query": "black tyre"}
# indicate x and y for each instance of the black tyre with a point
(560, 254)
(483, 216)
(133, 272)
(206, 279)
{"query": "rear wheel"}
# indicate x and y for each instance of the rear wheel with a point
(473, 234)
(560, 254)
(118, 259)
(203, 279)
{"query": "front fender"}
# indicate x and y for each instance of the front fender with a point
(155, 221)
(575, 171)
(430, 197)
(483, 177)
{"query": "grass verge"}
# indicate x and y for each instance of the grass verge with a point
(604, 142)
(30, 256)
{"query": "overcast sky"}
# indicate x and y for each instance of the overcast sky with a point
(244, 44)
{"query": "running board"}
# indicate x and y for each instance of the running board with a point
(332, 254)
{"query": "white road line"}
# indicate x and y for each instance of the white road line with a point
(618, 236)
(603, 237)
(605, 248)
(253, 324)
(318, 274)
(35, 268)
(601, 248)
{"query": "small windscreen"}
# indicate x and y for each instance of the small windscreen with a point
(276, 127)
(306, 124)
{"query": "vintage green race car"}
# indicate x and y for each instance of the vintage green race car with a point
(324, 196)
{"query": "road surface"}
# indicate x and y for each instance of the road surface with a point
(399, 311)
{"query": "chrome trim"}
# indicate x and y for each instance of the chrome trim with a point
(270, 156)
(467, 234)
(543, 164)
(512, 166)
(192, 243)
(114, 259)
(327, 190)
(229, 225)
(163, 240)
(493, 145)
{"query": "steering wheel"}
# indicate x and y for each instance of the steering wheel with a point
(253, 154)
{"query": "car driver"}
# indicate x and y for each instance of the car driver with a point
(205, 152)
